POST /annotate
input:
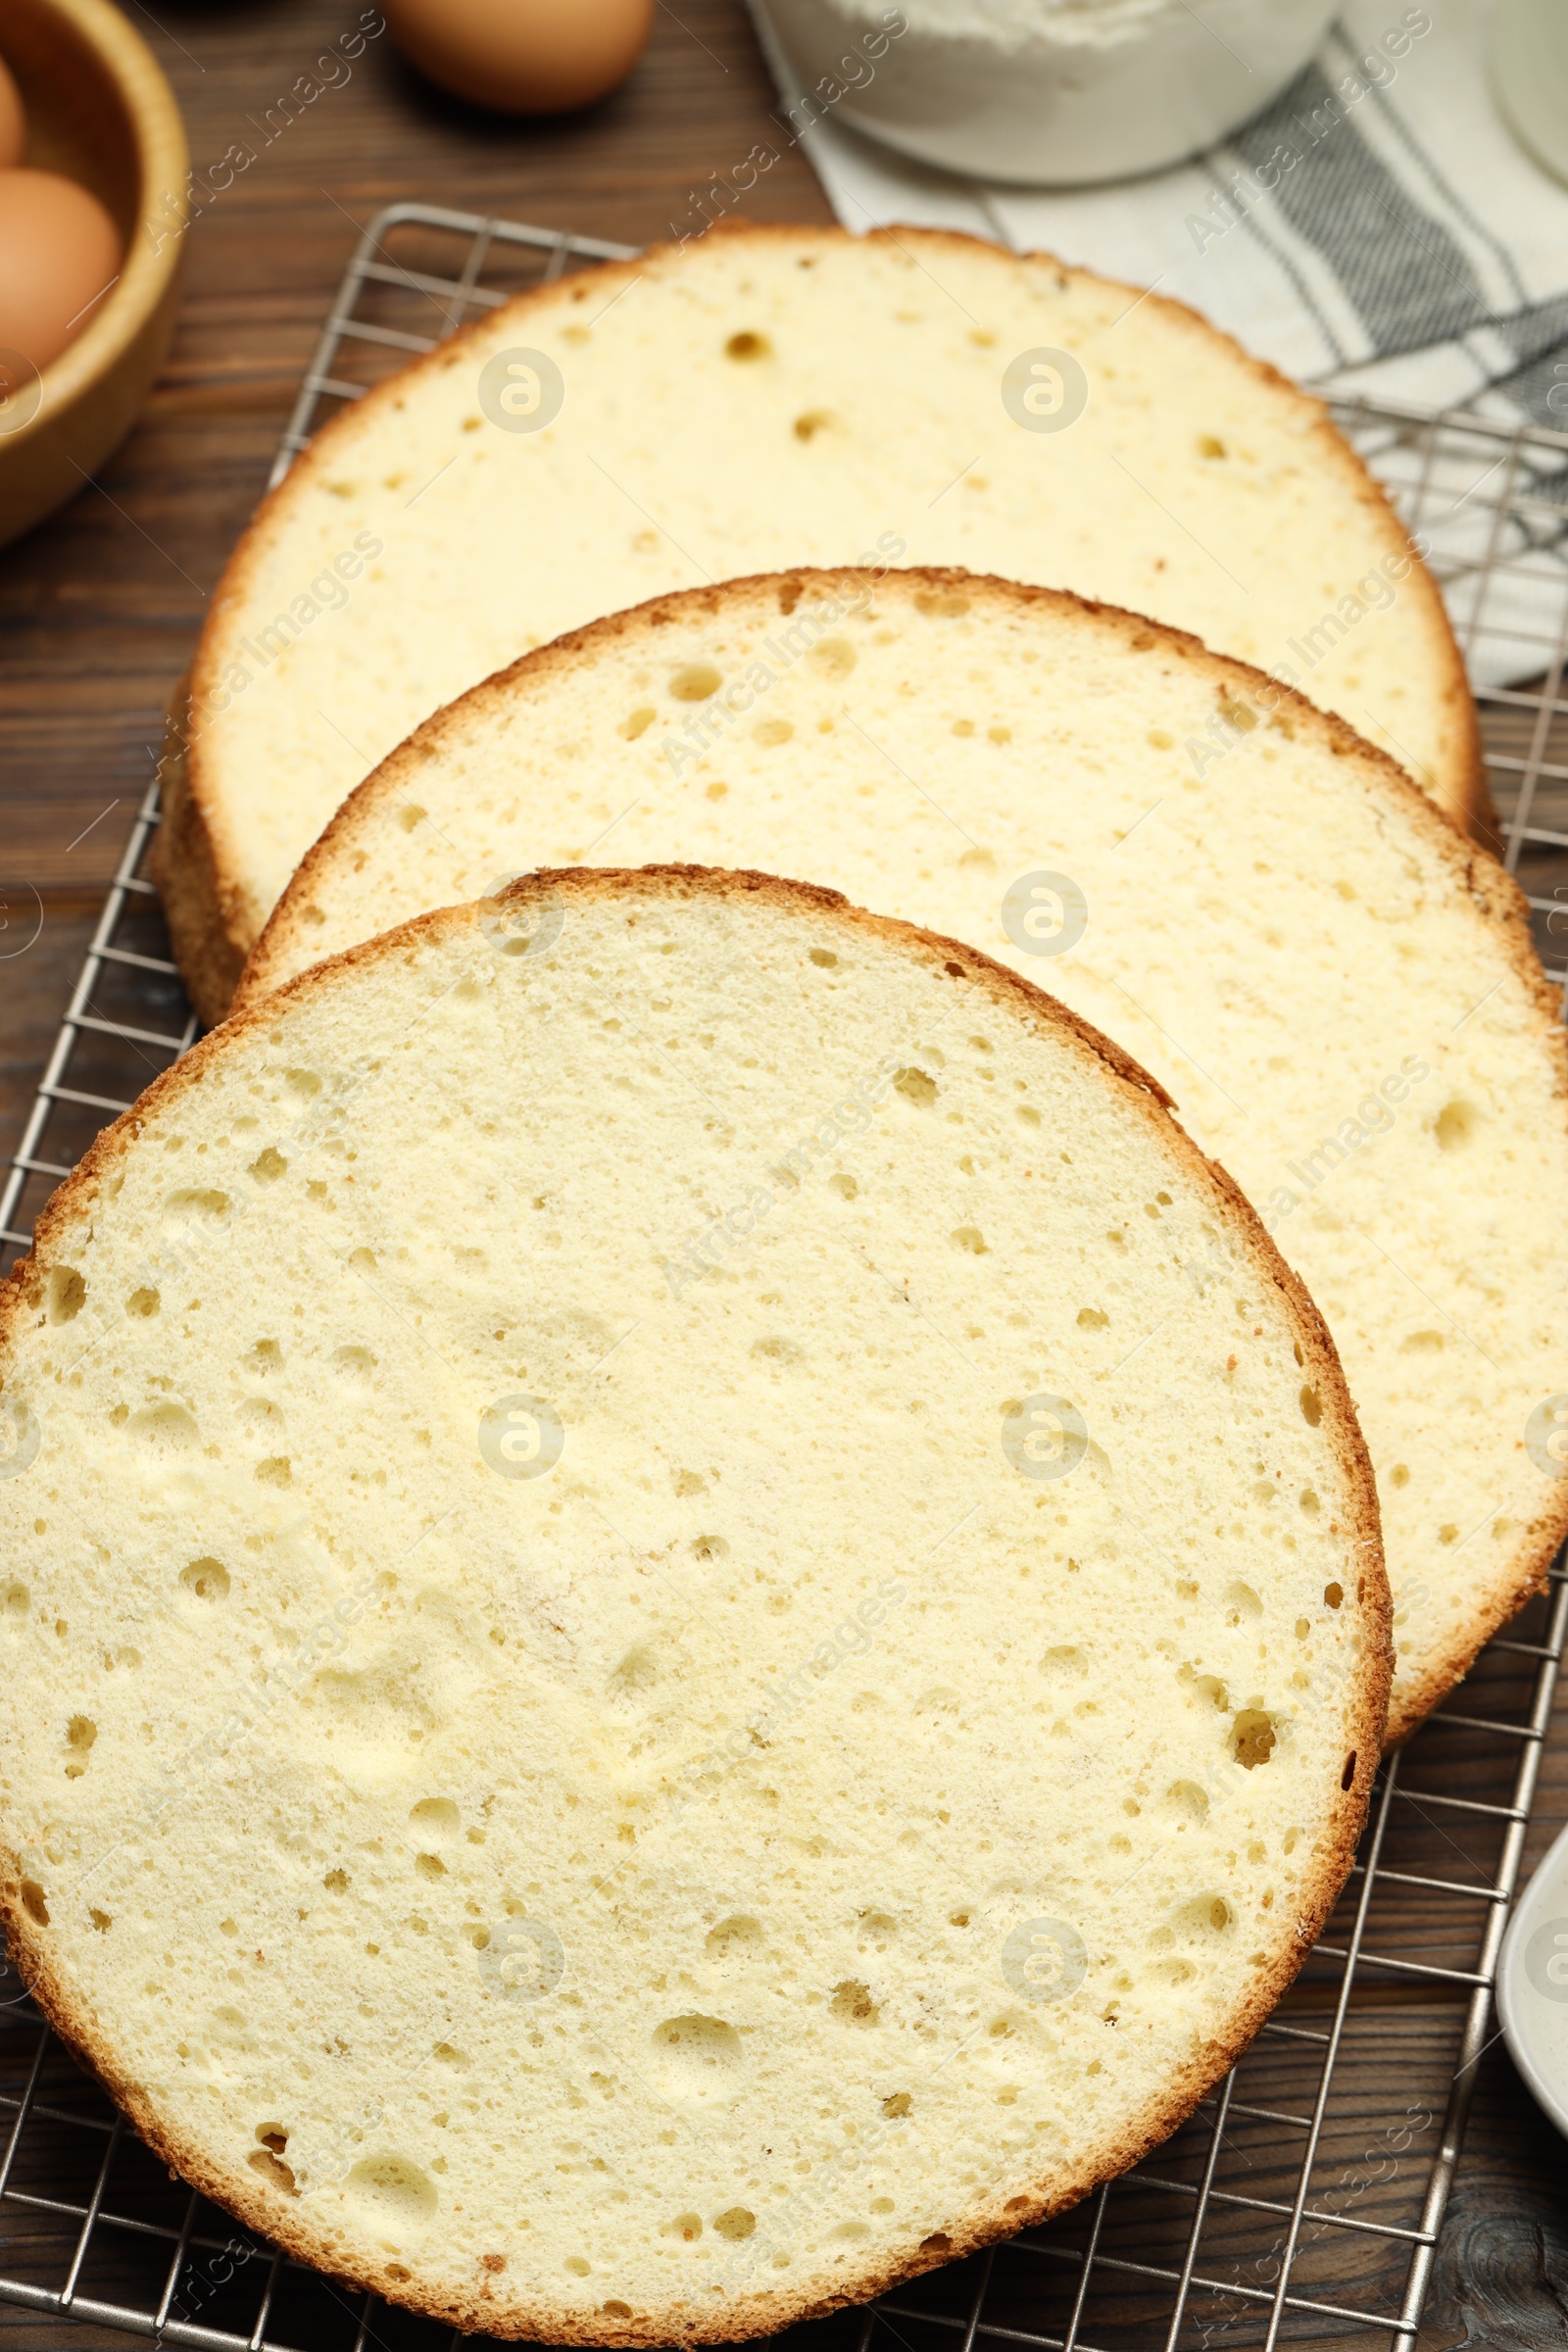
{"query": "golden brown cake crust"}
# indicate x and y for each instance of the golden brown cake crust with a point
(184, 870)
(536, 2317)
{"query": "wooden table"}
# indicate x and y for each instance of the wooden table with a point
(99, 609)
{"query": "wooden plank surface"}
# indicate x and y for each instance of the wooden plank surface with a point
(98, 611)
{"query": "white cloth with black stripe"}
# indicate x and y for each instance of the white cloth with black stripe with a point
(1376, 231)
(1413, 251)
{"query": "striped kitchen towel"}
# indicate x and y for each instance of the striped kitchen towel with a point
(1376, 231)
(1411, 251)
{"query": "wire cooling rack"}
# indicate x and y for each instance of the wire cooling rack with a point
(1304, 2202)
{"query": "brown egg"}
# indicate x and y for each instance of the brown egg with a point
(524, 56)
(13, 121)
(58, 256)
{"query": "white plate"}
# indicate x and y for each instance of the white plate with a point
(1533, 1985)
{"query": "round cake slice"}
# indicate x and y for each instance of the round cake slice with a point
(761, 398)
(693, 1617)
(1339, 992)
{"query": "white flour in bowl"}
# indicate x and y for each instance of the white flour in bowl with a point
(1049, 91)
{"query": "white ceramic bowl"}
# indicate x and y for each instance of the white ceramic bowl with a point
(1047, 95)
(1528, 56)
(1533, 1983)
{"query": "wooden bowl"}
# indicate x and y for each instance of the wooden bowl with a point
(99, 111)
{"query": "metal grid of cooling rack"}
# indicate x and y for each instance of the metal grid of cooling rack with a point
(454, 293)
(1304, 2201)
